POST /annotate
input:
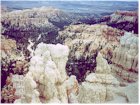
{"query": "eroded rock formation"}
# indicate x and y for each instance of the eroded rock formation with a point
(13, 62)
(103, 59)
(103, 87)
(21, 25)
(46, 81)
(8, 47)
(125, 58)
(98, 86)
(119, 49)
(39, 24)
(84, 42)
(124, 20)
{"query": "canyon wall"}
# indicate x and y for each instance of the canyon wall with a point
(93, 64)
(114, 52)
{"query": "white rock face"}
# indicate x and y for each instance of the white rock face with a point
(79, 38)
(17, 84)
(102, 65)
(46, 81)
(99, 86)
(123, 16)
(103, 86)
(9, 49)
(125, 58)
(72, 89)
(92, 93)
(131, 92)
(127, 94)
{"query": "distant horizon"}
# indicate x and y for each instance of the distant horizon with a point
(74, 0)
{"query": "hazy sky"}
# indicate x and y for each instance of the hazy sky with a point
(69, 0)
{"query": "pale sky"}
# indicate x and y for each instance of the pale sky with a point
(69, 0)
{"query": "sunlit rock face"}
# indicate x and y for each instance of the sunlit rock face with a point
(99, 86)
(13, 62)
(21, 25)
(105, 87)
(8, 47)
(125, 58)
(8, 92)
(114, 56)
(84, 42)
(103, 59)
(39, 24)
(124, 20)
(46, 81)
(72, 89)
